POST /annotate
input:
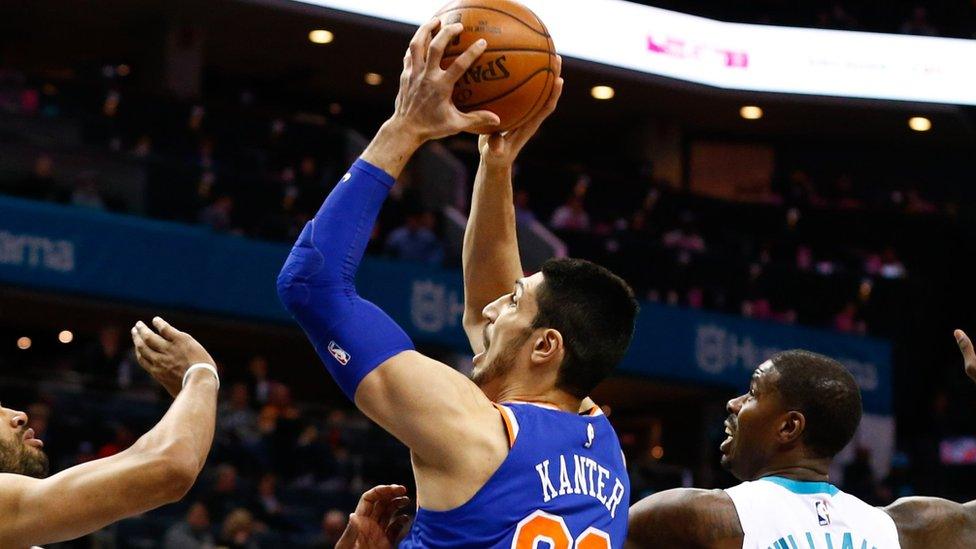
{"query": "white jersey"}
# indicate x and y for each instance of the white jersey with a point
(779, 513)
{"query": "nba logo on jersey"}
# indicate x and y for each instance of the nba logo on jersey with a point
(338, 353)
(823, 515)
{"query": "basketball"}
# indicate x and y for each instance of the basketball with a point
(516, 73)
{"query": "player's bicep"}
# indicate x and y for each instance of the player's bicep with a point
(933, 522)
(425, 404)
(684, 518)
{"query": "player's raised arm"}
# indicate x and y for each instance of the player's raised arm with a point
(490, 255)
(158, 469)
(933, 522)
(416, 399)
(684, 517)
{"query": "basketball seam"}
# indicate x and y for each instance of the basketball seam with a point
(510, 90)
(493, 50)
(503, 12)
(536, 103)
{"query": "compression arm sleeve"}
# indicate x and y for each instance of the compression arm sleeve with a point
(317, 284)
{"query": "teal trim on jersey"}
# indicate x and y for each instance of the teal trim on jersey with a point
(803, 486)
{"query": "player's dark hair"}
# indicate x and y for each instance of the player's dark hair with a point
(825, 393)
(594, 310)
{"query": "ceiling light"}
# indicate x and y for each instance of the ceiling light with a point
(321, 36)
(602, 92)
(24, 343)
(373, 79)
(920, 123)
(751, 112)
(66, 336)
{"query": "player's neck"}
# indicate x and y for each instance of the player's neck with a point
(809, 470)
(554, 397)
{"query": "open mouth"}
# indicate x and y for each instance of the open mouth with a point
(727, 443)
(31, 441)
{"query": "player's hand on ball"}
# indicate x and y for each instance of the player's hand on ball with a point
(968, 354)
(501, 149)
(167, 355)
(376, 524)
(423, 105)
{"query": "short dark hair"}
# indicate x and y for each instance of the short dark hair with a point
(825, 393)
(594, 310)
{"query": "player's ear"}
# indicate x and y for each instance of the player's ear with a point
(793, 426)
(547, 346)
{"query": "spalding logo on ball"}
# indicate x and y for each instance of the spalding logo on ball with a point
(516, 73)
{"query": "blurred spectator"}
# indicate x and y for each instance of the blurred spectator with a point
(103, 360)
(266, 507)
(848, 320)
(224, 496)
(918, 23)
(258, 382)
(122, 439)
(235, 419)
(415, 240)
(217, 215)
(86, 193)
(40, 184)
(238, 531)
(523, 213)
(333, 524)
(191, 533)
(571, 216)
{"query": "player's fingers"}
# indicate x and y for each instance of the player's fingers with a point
(384, 512)
(143, 352)
(165, 329)
(968, 354)
(420, 41)
(435, 52)
(349, 535)
(464, 61)
(152, 339)
(395, 529)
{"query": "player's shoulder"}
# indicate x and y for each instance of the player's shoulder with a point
(930, 522)
(685, 517)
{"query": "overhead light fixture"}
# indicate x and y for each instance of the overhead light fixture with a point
(66, 336)
(920, 123)
(321, 36)
(751, 112)
(373, 79)
(24, 343)
(602, 92)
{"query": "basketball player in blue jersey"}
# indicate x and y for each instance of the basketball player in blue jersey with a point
(801, 409)
(504, 459)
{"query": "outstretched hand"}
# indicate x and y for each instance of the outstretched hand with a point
(501, 149)
(376, 524)
(423, 104)
(167, 355)
(968, 354)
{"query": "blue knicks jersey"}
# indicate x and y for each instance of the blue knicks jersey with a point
(563, 485)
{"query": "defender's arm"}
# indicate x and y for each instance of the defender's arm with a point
(685, 517)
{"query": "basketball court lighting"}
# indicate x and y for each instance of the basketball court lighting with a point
(24, 343)
(920, 123)
(602, 92)
(373, 79)
(321, 36)
(66, 336)
(751, 112)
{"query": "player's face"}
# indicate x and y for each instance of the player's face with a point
(20, 452)
(507, 333)
(752, 425)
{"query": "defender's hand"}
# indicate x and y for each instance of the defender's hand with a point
(424, 107)
(373, 525)
(501, 149)
(968, 355)
(168, 354)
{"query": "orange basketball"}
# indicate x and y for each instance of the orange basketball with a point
(515, 75)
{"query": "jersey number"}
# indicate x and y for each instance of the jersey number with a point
(542, 527)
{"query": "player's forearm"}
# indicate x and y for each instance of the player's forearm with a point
(392, 147)
(490, 255)
(186, 432)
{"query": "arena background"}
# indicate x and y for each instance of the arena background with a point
(159, 157)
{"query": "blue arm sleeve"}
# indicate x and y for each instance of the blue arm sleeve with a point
(317, 284)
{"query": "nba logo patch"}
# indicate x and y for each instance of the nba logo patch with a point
(338, 353)
(823, 515)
